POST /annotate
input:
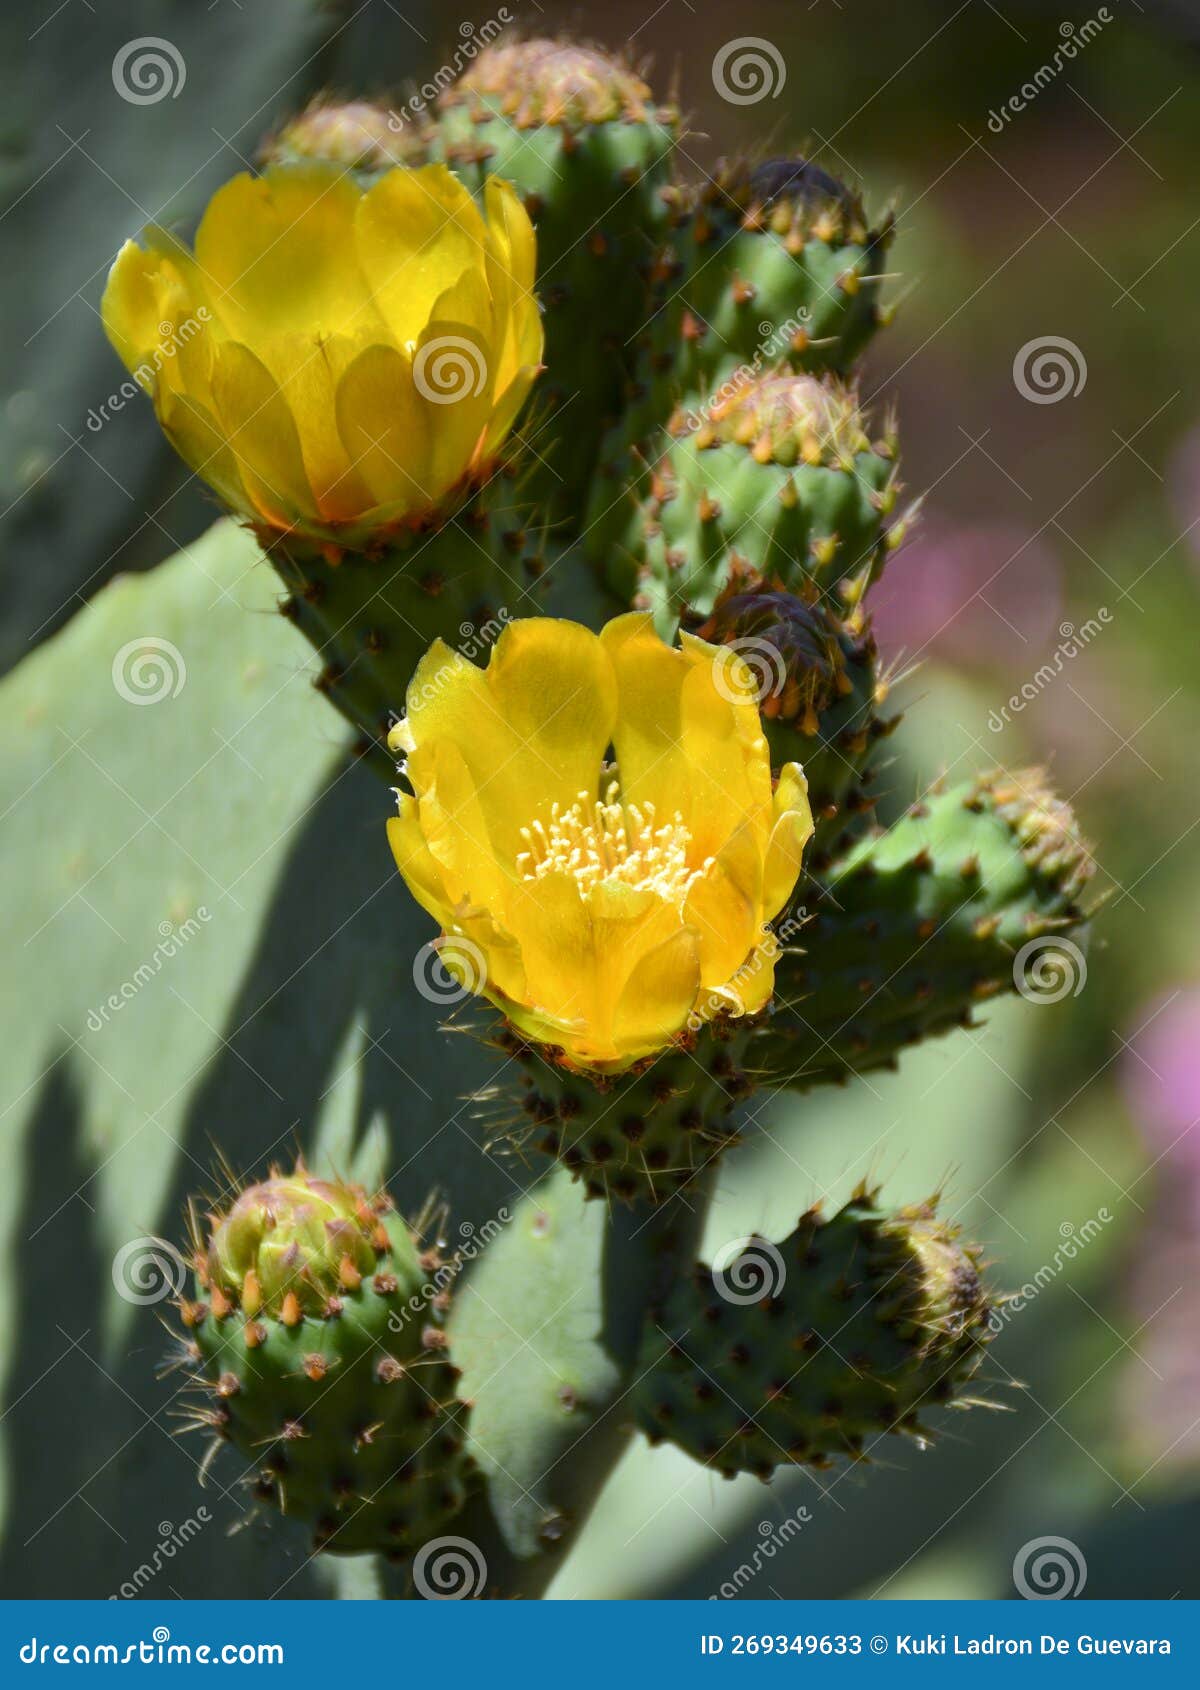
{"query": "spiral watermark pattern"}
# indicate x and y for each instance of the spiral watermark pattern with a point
(148, 1270)
(449, 1569)
(748, 1270)
(449, 368)
(748, 70)
(765, 664)
(1049, 1569)
(149, 669)
(148, 70)
(1049, 369)
(1049, 969)
(449, 969)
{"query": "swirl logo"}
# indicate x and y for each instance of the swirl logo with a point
(449, 368)
(160, 1634)
(449, 969)
(1049, 969)
(748, 1271)
(748, 70)
(449, 1569)
(1049, 1569)
(148, 1270)
(1049, 369)
(147, 70)
(149, 669)
(764, 664)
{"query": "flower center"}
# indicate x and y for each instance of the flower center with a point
(596, 840)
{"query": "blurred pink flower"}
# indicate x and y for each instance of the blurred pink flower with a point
(1160, 1078)
(969, 592)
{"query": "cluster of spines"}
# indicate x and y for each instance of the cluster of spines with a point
(863, 1323)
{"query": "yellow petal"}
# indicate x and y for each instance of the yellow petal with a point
(385, 427)
(415, 861)
(262, 435)
(791, 832)
(416, 232)
(658, 997)
(278, 256)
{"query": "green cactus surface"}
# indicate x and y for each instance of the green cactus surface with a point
(638, 1135)
(916, 927)
(583, 141)
(764, 266)
(799, 1353)
(318, 1326)
(777, 482)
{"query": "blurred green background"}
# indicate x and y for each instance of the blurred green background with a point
(1064, 1137)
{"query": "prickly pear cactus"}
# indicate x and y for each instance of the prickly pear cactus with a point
(432, 370)
(801, 1352)
(318, 1324)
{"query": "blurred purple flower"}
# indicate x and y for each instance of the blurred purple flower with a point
(1160, 1078)
(969, 592)
(1183, 489)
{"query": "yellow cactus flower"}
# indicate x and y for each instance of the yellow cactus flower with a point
(335, 360)
(604, 906)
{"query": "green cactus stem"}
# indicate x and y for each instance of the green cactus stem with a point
(797, 1354)
(767, 265)
(635, 1136)
(913, 929)
(583, 141)
(821, 694)
(777, 482)
(317, 1330)
(372, 615)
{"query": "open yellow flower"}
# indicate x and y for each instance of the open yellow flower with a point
(602, 905)
(333, 360)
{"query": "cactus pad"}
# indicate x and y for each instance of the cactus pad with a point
(638, 1135)
(318, 1330)
(913, 929)
(582, 140)
(809, 1350)
(776, 481)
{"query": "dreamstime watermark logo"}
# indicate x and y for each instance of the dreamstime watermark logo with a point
(449, 368)
(449, 969)
(149, 669)
(775, 1535)
(449, 1569)
(1049, 969)
(1073, 38)
(762, 665)
(1074, 1240)
(1072, 640)
(148, 1270)
(476, 639)
(173, 936)
(1049, 1569)
(171, 1539)
(171, 337)
(748, 1270)
(473, 39)
(435, 1293)
(748, 70)
(1048, 369)
(148, 70)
